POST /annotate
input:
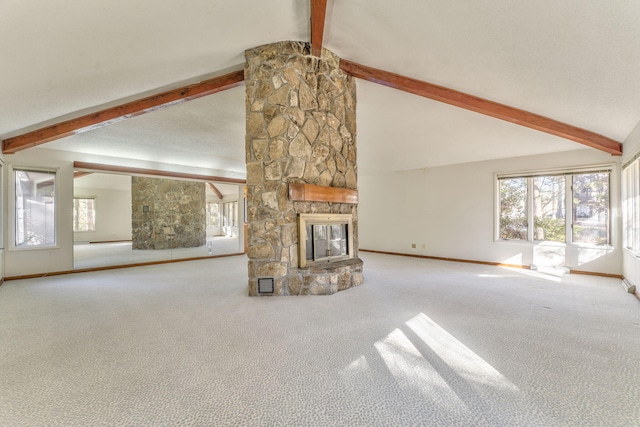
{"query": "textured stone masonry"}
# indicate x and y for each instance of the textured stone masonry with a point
(301, 128)
(175, 216)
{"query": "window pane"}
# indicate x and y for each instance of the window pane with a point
(35, 208)
(213, 214)
(336, 240)
(309, 243)
(629, 206)
(230, 214)
(234, 214)
(225, 214)
(84, 215)
(549, 208)
(634, 203)
(320, 241)
(513, 210)
(591, 208)
(1, 207)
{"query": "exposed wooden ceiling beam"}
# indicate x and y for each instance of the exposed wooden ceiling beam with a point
(121, 112)
(80, 174)
(483, 106)
(215, 190)
(153, 172)
(318, 13)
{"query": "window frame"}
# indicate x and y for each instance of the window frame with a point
(569, 194)
(630, 209)
(229, 214)
(219, 214)
(2, 196)
(12, 214)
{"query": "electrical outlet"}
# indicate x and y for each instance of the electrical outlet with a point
(413, 245)
(424, 246)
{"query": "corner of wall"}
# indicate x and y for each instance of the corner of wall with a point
(631, 144)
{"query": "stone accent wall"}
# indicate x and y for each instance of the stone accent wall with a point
(301, 128)
(167, 214)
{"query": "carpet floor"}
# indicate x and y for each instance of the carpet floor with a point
(120, 253)
(422, 342)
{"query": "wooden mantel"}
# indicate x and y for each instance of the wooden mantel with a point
(319, 193)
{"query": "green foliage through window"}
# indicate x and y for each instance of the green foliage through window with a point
(513, 208)
(534, 208)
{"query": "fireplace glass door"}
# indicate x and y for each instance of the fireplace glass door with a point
(324, 238)
(326, 242)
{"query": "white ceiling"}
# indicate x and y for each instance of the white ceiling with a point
(576, 61)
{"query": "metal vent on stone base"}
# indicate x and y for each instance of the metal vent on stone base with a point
(265, 285)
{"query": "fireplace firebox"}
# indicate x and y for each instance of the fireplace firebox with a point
(324, 238)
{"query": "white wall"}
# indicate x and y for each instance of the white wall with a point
(113, 208)
(449, 212)
(630, 263)
(18, 262)
(41, 261)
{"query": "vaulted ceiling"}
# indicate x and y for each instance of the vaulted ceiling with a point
(575, 61)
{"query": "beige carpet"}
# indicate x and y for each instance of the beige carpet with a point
(421, 343)
(94, 255)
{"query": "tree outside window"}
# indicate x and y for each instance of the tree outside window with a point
(534, 207)
(513, 208)
(549, 208)
(591, 208)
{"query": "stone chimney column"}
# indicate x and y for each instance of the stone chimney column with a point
(300, 128)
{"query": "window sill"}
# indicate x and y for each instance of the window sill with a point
(31, 248)
(632, 252)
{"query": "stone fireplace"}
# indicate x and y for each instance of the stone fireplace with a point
(301, 172)
(167, 213)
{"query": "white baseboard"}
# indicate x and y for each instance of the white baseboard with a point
(628, 286)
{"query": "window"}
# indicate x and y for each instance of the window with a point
(513, 208)
(535, 207)
(549, 208)
(631, 205)
(230, 214)
(35, 208)
(591, 208)
(213, 214)
(1, 205)
(84, 214)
